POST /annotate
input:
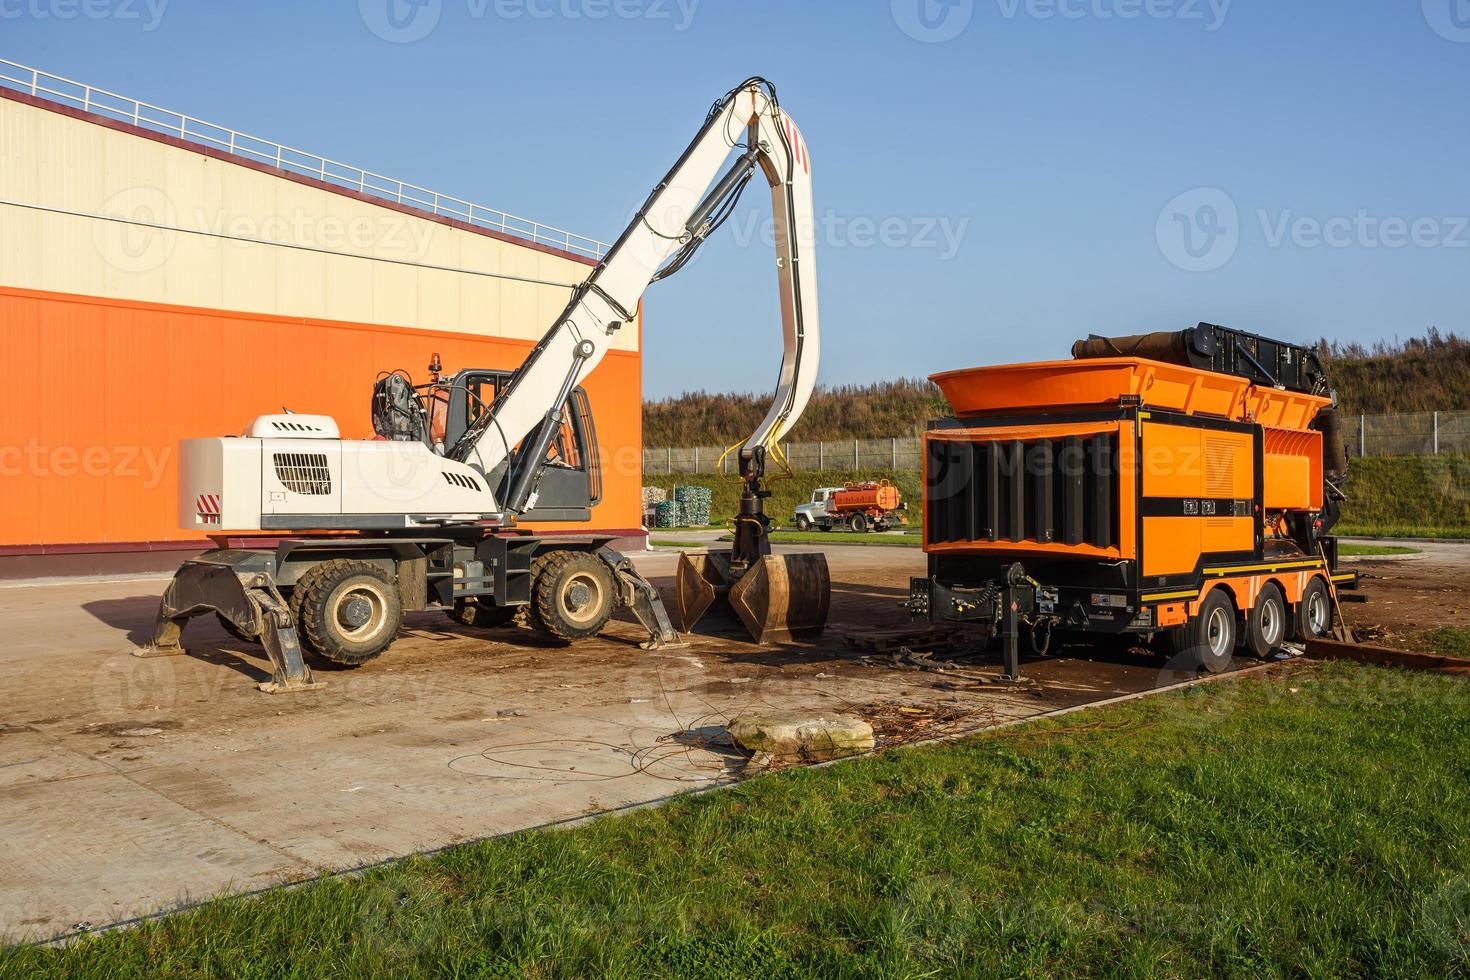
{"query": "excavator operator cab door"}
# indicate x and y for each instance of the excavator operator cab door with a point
(571, 483)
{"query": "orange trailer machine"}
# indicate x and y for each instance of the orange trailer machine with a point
(1181, 484)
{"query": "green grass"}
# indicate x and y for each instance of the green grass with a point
(1307, 823)
(1349, 529)
(1388, 496)
(846, 537)
(1349, 550)
(666, 543)
(1447, 641)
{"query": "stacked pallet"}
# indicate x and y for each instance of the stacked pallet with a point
(694, 504)
(668, 513)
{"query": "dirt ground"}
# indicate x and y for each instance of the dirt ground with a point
(129, 785)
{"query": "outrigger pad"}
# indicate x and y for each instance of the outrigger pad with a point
(777, 598)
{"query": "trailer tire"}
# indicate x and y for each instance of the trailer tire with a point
(350, 610)
(572, 595)
(802, 523)
(1207, 640)
(1266, 623)
(858, 523)
(1313, 613)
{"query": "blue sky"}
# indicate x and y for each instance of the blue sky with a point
(994, 178)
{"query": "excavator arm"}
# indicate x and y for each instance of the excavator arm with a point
(691, 202)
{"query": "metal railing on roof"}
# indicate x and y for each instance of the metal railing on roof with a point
(88, 98)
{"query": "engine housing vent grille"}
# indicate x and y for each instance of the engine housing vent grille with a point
(304, 473)
(460, 480)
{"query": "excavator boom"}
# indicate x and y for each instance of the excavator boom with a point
(678, 216)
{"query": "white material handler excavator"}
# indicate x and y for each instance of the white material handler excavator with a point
(433, 513)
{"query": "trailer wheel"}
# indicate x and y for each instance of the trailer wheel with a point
(1313, 612)
(802, 523)
(473, 612)
(572, 595)
(1265, 624)
(858, 522)
(350, 610)
(1208, 639)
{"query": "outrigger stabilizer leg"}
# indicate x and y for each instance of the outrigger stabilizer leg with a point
(639, 595)
(223, 583)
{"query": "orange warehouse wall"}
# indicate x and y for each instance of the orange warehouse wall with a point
(103, 390)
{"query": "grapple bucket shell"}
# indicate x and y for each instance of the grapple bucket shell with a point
(701, 579)
(782, 596)
(778, 597)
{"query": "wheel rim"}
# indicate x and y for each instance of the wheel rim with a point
(360, 613)
(1217, 632)
(1273, 621)
(581, 598)
(1317, 613)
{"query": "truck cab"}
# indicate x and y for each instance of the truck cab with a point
(815, 512)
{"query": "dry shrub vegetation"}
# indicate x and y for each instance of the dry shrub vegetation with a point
(1421, 374)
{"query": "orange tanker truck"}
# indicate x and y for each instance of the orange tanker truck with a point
(874, 504)
(1179, 486)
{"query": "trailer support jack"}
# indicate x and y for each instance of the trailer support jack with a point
(1017, 600)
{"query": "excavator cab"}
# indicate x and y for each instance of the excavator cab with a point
(571, 484)
(440, 412)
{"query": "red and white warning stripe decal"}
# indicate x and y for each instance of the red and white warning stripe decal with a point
(208, 507)
(798, 147)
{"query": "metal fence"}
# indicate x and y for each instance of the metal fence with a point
(1421, 434)
(88, 98)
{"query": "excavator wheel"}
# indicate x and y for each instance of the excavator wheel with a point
(472, 612)
(350, 610)
(572, 594)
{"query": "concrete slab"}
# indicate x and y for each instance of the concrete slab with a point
(128, 784)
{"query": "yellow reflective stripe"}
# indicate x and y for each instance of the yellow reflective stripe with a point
(1170, 595)
(1279, 566)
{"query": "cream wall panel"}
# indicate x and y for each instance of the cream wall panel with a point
(57, 161)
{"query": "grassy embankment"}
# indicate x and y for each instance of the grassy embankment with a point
(1275, 825)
